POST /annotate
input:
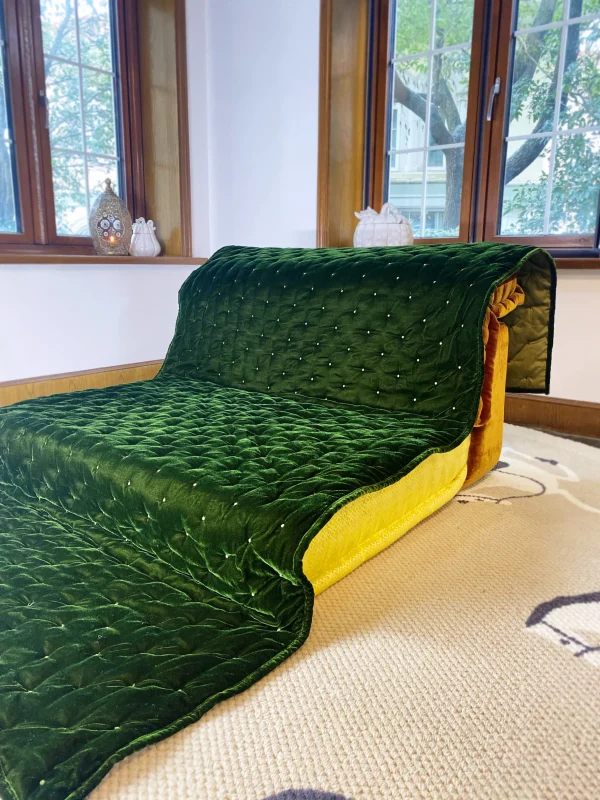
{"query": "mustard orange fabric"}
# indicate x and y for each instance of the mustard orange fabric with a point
(486, 439)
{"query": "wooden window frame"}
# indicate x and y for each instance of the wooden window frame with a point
(34, 174)
(140, 156)
(500, 63)
(481, 177)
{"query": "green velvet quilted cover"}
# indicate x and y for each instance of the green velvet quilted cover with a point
(152, 534)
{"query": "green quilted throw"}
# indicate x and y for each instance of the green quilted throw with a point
(152, 534)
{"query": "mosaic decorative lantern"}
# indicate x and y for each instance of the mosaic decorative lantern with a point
(110, 224)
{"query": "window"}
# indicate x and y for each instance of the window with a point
(494, 123)
(64, 118)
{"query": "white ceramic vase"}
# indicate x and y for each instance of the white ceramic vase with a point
(389, 228)
(144, 243)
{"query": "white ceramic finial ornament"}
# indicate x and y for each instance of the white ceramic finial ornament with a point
(389, 228)
(144, 243)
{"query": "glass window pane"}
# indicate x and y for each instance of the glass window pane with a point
(95, 33)
(99, 101)
(64, 105)
(574, 203)
(83, 113)
(533, 100)
(453, 22)
(406, 187)
(581, 8)
(59, 28)
(443, 192)
(581, 80)
(9, 222)
(431, 73)
(413, 31)
(449, 94)
(524, 201)
(410, 92)
(70, 195)
(99, 169)
(538, 12)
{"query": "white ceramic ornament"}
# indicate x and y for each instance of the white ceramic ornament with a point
(144, 243)
(389, 228)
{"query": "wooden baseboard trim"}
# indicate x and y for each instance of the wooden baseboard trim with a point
(576, 417)
(29, 388)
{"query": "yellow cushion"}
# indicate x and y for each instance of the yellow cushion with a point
(367, 525)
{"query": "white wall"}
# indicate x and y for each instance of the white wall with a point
(263, 90)
(576, 358)
(57, 319)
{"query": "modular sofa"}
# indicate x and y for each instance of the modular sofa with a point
(162, 542)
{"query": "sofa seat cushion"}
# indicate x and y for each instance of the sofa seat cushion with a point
(162, 457)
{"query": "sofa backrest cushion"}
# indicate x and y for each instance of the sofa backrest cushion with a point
(391, 328)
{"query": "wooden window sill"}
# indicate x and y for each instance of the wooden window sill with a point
(76, 260)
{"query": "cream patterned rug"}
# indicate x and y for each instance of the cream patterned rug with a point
(462, 662)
